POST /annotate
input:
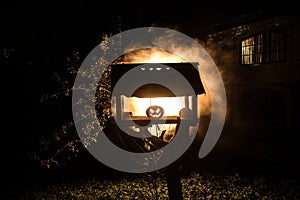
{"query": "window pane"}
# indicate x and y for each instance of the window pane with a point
(264, 48)
(247, 51)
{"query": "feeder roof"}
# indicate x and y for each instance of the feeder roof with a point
(160, 79)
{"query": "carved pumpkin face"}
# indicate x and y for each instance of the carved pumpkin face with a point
(155, 111)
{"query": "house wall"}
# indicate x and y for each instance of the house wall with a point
(261, 96)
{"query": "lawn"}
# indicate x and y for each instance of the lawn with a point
(152, 186)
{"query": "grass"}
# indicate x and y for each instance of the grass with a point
(154, 187)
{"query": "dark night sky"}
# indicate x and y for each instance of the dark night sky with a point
(74, 26)
(47, 34)
(43, 35)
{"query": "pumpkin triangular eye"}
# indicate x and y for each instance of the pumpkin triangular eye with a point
(157, 110)
(151, 110)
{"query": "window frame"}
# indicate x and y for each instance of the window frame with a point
(271, 50)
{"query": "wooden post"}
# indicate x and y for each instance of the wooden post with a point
(173, 172)
(173, 178)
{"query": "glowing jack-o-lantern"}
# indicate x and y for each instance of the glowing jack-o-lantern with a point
(155, 112)
(154, 94)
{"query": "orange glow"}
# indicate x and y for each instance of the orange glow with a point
(154, 55)
(151, 56)
(138, 106)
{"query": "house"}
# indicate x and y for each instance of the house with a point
(259, 60)
(258, 57)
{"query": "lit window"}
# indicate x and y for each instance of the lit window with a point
(264, 48)
(252, 50)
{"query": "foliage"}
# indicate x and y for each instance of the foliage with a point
(59, 143)
(62, 144)
(153, 186)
